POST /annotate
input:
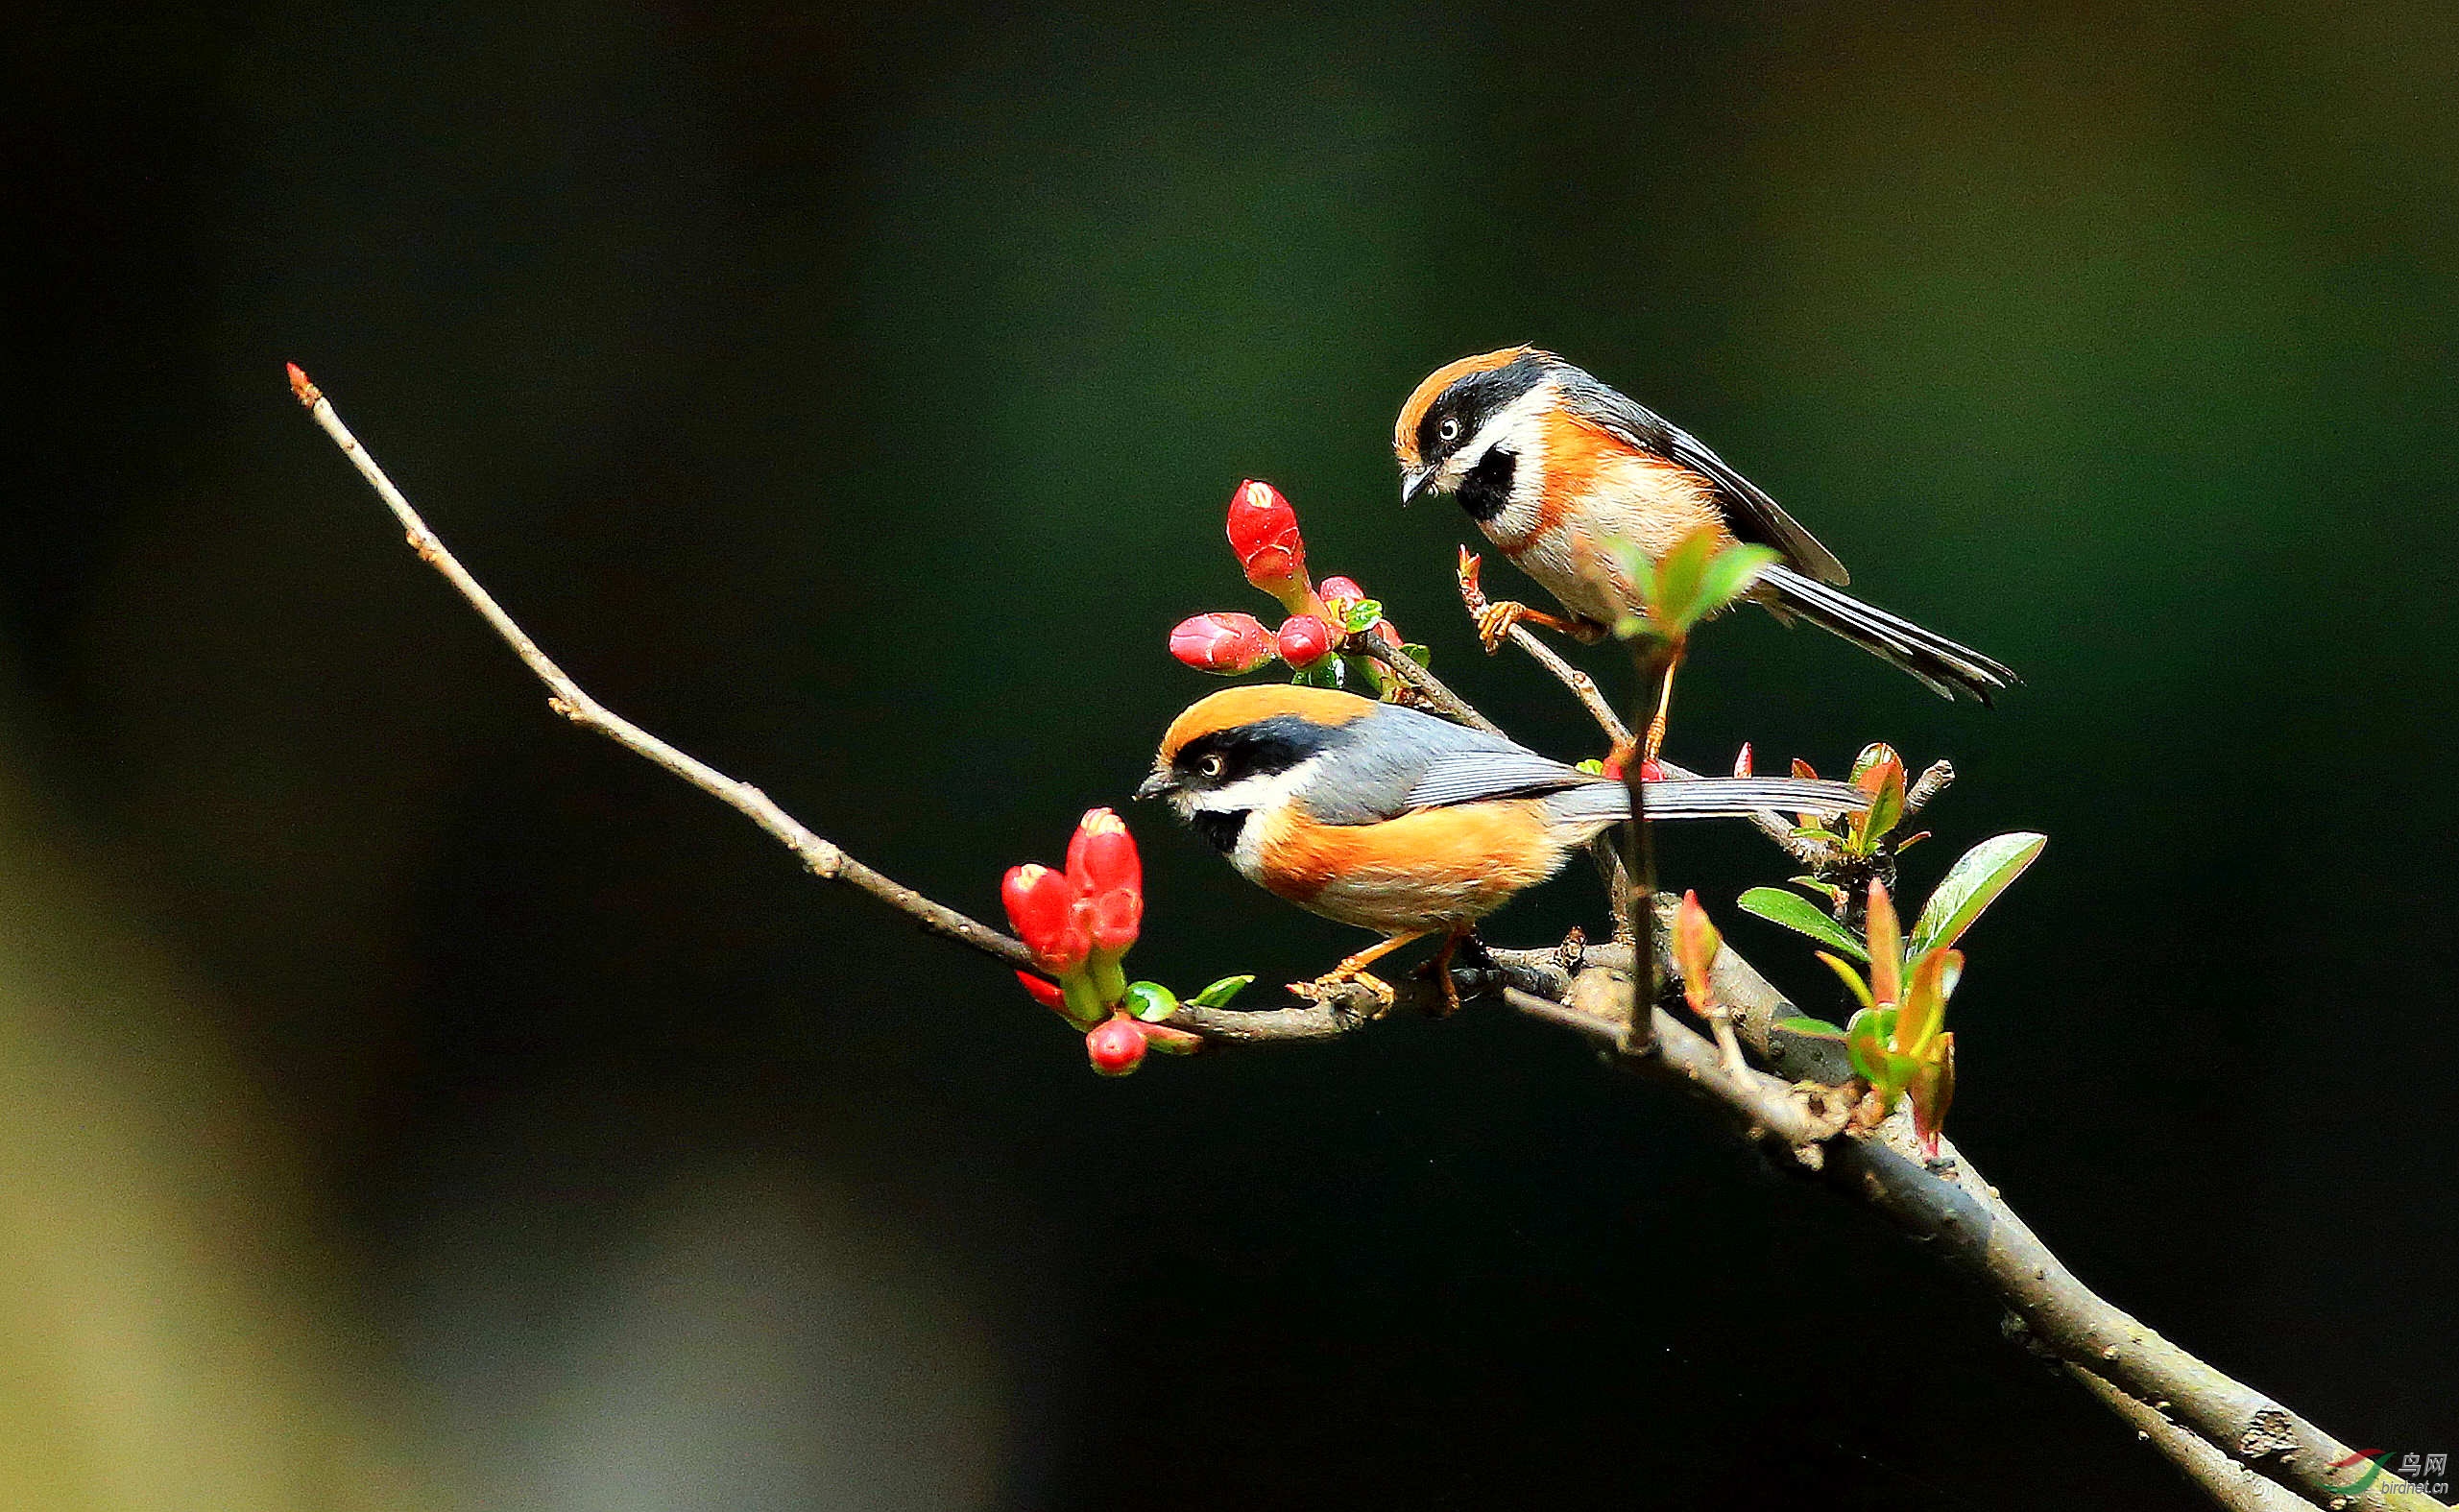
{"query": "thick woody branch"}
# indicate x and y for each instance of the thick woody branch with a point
(2223, 1480)
(1946, 1202)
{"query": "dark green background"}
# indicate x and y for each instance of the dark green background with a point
(853, 397)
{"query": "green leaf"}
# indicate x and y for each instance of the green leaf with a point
(1814, 1028)
(1593, 767)
(1674, 596)
(1871, 756)
(1361, 616)
(1886, 807)
(1163, 1039)
(1900, 1071)
(1973, 884)
(1866, 1045)
(1933, 1088)
(1641, 567)
(1330, 672)
(1219, 994)
(1926, 990)
(1830, 890)
(1797, 914)
(1730, 575)
(1419, 654)
(1852, 979)
(1886, 947)
(1150, 1002)
(1815, 832)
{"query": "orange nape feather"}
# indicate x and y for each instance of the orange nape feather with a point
(1404, 432)
(1427, 869)
(1247, 704)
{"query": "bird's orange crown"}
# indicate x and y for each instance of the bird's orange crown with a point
(1233, 707)
(1404, 431)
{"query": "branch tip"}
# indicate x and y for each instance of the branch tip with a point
(301, 387)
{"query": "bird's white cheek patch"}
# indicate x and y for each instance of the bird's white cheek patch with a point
(1518, 428)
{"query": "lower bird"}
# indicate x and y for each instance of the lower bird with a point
(1555, 467)
(1395, 821)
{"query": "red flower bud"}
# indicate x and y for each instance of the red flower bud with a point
(1107, 874)
(1048, 994)
(1695, 942)
(1337, 587)
(1115, 1046)
(1112, 919)
(1263, 534)
(1742, 762)
(1041, 906)
(1228, 645)
(1101, 858)
(1259, 517)
(1305, 640)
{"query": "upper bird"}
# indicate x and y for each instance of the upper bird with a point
(1554, 465)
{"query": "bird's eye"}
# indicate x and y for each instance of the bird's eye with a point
(1213, 765)
(1450, 429)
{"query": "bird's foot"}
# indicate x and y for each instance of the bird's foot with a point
(1495, 621)
(1339, 982)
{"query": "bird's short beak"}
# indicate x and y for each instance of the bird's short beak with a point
(1160, 783)
(1413, 482)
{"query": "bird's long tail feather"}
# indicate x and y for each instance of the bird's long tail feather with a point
(1947, 668)
(1607, 801)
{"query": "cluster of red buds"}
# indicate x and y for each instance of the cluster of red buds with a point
(1264, 536)
(1080, 924)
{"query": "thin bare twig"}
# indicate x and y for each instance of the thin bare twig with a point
(824, 858)
(1426, 684)
(1583, 687)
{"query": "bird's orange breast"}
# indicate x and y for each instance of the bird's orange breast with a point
(1432, 868)
(1599, 489)
(1595, 477)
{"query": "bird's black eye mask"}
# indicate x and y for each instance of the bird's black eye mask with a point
(1453, 421)
(1213, 761)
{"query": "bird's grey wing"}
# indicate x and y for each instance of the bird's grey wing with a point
(1397, 759)
(1470, 776)
(1756, 518)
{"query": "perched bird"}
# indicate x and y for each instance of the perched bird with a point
(1555, 465)
(1395, 821)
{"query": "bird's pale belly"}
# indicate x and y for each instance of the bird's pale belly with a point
(1621, 495)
